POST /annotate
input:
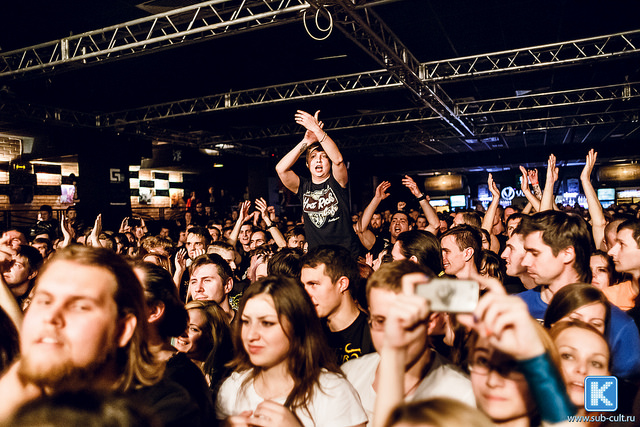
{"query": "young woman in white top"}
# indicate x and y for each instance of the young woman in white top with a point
(285, 374)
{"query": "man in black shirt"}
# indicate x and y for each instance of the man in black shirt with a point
(328, 275)
(324, 197)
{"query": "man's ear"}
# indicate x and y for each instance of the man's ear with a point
(228, 287)
(33, 274)
(343, 284)
(414, 259)
(155, 312)
(127, 326)
(468, 254)
(568, 255)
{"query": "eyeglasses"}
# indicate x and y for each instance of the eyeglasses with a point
(376, 323)
(506, 368)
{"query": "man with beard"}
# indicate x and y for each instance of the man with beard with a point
(86, 330)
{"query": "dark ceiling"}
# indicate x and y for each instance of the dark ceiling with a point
(476, 84)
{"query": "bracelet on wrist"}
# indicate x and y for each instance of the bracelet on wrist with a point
(421, 197)
(323, 138)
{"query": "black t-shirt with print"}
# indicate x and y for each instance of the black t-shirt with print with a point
(352, 342)
(327, 218)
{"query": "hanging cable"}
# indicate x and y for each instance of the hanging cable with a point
(327, 30)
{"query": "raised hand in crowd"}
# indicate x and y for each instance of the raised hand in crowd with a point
(423, 199)
(598, 221)
(548, 202)
(94, 237)
(490, 217)
(243, 216)
(265, 211)
(529, 176)
(68, 233)
(180, 266)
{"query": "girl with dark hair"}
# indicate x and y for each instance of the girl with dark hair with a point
(603, 271)
(420, 247)
(582, 302)
(207, 341)
(168, 318)
(492, 266)
(285, 374)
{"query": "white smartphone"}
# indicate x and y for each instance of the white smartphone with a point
(450, 295)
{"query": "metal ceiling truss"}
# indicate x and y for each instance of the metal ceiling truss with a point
(338, 85)
(572, 52)
(161, 31)
(610, 93)
(367, 120)
(471, 109)
(331, 86)
(12, 108)
(561, 122)
(366, 29)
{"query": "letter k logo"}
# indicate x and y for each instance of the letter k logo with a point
(601, 393)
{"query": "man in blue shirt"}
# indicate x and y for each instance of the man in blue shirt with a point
(558, 249)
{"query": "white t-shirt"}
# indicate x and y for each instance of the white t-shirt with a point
(442, 380)
(336, 405)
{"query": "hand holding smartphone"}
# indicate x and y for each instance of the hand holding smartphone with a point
(450, 295)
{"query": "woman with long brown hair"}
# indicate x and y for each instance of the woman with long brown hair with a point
(285, 374)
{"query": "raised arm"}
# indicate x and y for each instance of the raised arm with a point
(94, 237)
(66, 232)
(552, 176)
(505, 321)
(312, 124)
(404, 322)
(243, 216)
(423, 200)
(534, 202)
(262, 206)
(364, 234)
(490, 215)
(598, 221)
(379, 196)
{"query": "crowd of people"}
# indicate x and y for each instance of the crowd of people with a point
(261, 320)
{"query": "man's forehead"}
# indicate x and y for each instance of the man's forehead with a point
(380, 300)
(535, 240)
(625, 234)
(516, 240)
(195, 237)
(70, 279)
(206, 270)
(449, 242)
(318, 270)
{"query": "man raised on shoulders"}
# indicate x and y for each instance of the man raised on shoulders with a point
(325, 202)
